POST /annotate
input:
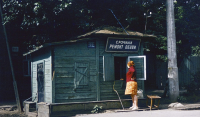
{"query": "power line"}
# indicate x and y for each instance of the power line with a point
(118, 21)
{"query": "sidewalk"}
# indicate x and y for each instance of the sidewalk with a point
(178, 110)
(172, 106)
(10, 106)
(185, 106)
(165, 102)
(153, 113)
(5, 107)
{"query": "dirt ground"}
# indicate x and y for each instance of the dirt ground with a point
(8, 113)
(9, 109)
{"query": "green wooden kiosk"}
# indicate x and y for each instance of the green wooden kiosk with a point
(86, 67)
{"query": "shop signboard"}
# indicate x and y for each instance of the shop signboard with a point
(122, 45)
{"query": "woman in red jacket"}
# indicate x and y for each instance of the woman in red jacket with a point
(131, 84)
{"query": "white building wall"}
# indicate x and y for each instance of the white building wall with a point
(44, 58)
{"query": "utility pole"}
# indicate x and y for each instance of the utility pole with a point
(11, 65)
(171, 51)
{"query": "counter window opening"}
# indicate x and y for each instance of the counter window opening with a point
(115, 68)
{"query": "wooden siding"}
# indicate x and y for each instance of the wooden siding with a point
(66, 57)
(46, 59)
(106, 85)
(63, 86)
(186, 69)
(107, 92)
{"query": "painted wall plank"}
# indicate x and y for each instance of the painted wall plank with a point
(93, 73)
(61, 59)
(75, 100)
(75, 96)
(65, 80)
(74, 53)
(64, 76)
(93, 78)
(64, 90)
(67, 85)
(48, 97)
(63, 71)
(60, 64)
(67, 69)
(70, 90)
(48, 89)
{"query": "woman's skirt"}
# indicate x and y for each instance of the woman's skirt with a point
(131, 88)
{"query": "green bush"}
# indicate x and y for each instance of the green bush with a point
(193, 90)
(194, 86)
(193, 98)
(182, 99)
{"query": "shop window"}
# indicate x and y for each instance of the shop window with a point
(140, 65)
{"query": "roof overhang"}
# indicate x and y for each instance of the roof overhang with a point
(105, 32)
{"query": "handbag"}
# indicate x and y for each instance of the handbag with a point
(140, 93)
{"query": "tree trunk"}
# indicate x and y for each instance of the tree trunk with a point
(171, 50)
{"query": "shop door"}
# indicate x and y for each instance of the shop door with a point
(81, 75)
(108, 68)
(40, 81)
(140, 66)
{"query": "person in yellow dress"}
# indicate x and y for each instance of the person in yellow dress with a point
(131, 84)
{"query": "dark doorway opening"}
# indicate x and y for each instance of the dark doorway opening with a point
(120, 67)
(40, 79)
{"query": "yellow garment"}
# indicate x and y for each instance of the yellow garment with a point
(131, 88)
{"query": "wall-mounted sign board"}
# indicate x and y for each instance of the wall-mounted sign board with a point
(122, 45)
(91, 44)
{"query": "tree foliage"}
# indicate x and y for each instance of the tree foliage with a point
(187, 28)
(44, 21)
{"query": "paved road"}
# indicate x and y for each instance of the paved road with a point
(153, 113)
